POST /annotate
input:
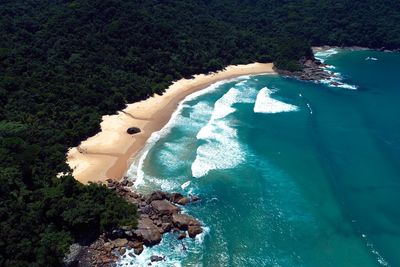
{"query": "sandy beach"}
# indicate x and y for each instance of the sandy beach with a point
(109, 153)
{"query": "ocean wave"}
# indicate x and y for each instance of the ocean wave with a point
(324, 54)
(136, 169)
(336, 81)
(221, 149)
(266, 104)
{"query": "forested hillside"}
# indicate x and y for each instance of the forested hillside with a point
(64, 63)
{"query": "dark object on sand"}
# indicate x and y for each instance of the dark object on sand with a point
(133, 130)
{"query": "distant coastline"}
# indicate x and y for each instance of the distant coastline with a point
(108, 154)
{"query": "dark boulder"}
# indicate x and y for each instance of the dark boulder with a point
(156, 195)
(194, 230)
(133, 130)
(138, 250)
(116, 233)
(181, 235)
(183, 221)
(120, 242)
(156, 258)
(183, 201)
(175, 197)
(148, 232)
(165, 227)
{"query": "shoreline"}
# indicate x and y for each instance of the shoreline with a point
(109, 153)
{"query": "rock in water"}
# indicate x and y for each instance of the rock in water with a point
(138, 250)
(194, 230)
(175, 197)
(183, 221)
(164, 207)
(133, 130)
(148, 232)
(181, 235)
(183, 201)
(156, 258)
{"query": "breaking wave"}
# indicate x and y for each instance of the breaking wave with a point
(136, 169)
(266, 104)
(221, 148)
(325, 54)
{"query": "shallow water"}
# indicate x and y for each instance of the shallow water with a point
(291, 173)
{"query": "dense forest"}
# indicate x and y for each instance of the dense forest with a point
(65, 63)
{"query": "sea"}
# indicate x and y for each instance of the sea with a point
(290, 173)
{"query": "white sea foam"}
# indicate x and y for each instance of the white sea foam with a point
(337, 82)
(324, 54)
(144, 258)
(221, 149)
(174, 251)
(309, 108)
(185, 184)
(266, 104)
(136, 169)
(379, 257)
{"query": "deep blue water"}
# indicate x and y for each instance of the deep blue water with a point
(290, 173)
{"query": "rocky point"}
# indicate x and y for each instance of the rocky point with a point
(158, 213)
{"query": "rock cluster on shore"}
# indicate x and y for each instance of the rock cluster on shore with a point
(312, 70)
(158, 213)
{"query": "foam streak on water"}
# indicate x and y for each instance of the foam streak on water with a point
(136, 169)
(221, 149)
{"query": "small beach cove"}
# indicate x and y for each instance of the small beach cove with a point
(109, 153)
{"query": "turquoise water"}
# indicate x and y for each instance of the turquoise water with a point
(290, 173)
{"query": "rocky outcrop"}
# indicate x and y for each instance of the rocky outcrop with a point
(159, 213)
(72, 257)
(183, 221)
(164, 207)
(194, 230)
(148, 232)
(312, 70)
